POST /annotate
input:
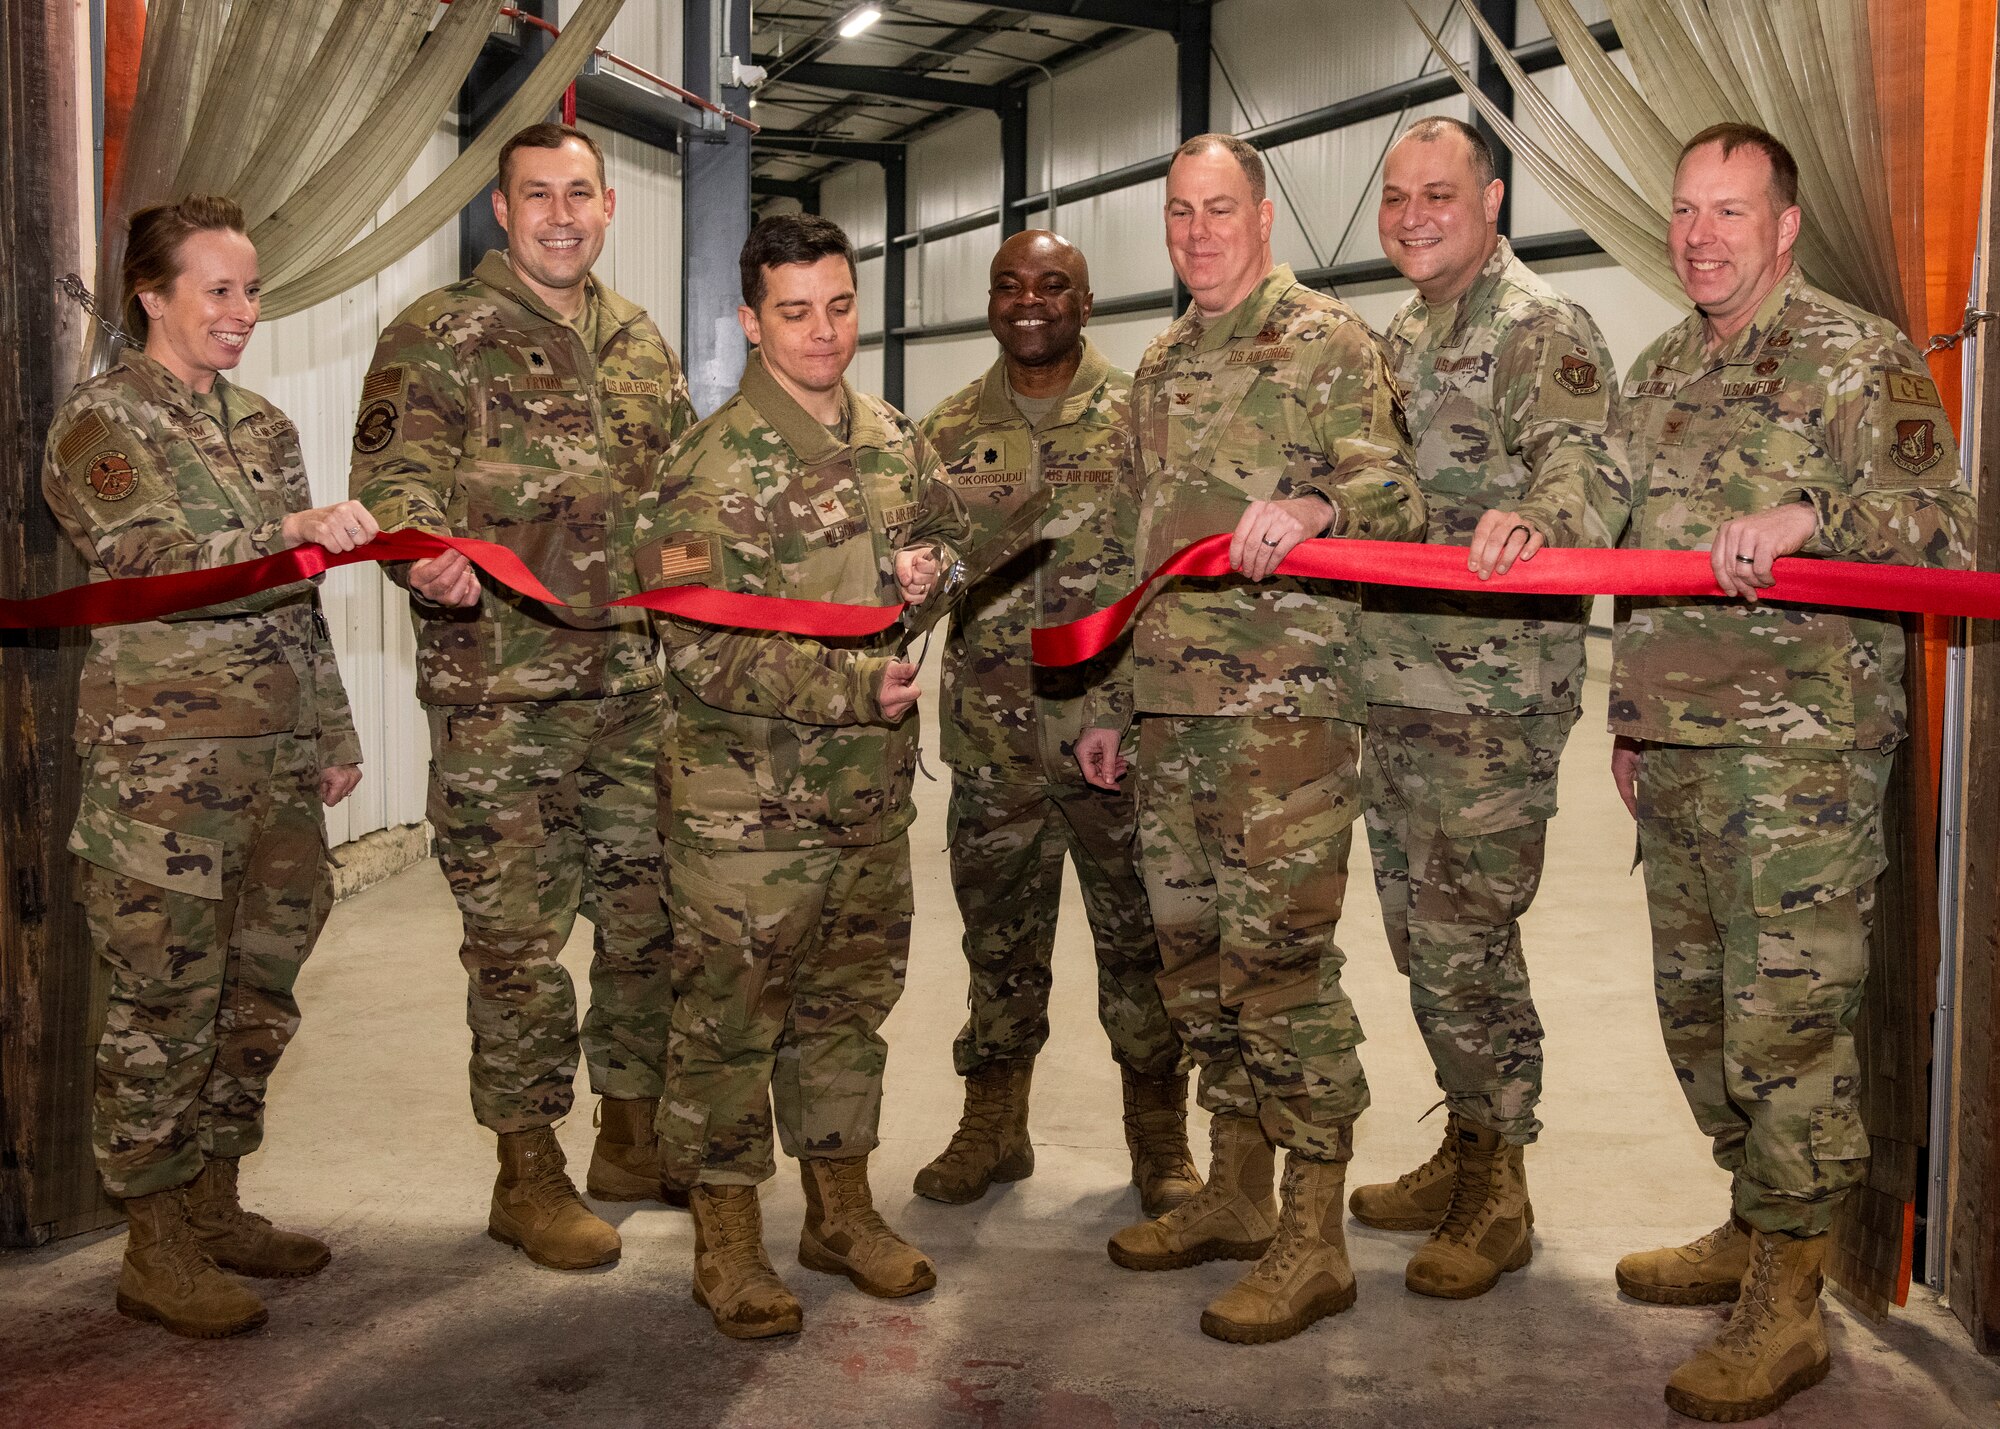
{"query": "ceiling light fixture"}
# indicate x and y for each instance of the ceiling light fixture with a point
(859, 19)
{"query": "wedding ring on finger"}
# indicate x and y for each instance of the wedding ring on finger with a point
(1748, 560)
(1269, 541)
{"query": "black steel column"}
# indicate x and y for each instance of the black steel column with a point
(895, 258)
(1014, 160)
(715, 207)
(1493, 84)
(495, 78)
(1191, 53)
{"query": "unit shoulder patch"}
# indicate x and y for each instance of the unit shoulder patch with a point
(112, 476)
(1916, 448)
(375, 428)
(1577, 375)
(1912, 389)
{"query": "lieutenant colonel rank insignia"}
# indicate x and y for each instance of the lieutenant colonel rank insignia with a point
(1916, 450)
(111, 476)
(1577, 376)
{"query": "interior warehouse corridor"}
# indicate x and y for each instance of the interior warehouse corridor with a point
(423, 1320)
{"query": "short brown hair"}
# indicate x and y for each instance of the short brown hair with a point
(153, 247)
(1732, 136)
(1247, 158)
(1427, 130)
(546, 136)
(786, 238)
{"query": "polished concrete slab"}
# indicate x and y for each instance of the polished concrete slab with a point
(423, 1320)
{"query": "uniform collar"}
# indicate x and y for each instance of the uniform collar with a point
(1247, 317)
(1689, 350)
(498, 274)
(805, 434)
(996, 404)
(162, 385)
(1479, 297)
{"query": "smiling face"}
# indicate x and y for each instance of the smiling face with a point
(1218, 234)
(555, 209)
(1729, 240)
(807, 327)
(1437, 223)
(1038, 299)
(199, 324)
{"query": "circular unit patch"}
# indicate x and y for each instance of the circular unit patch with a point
(111, 476)
(375, 428)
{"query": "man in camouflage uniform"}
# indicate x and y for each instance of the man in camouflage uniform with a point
(530, 405)
(1755, 740)
(1471, 697)
(785, 794)
(1266, 410)
(1051, 412)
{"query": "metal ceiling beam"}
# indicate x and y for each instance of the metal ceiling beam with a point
(785, 141)
(801, 191)
(1131, 14)
(895, 84)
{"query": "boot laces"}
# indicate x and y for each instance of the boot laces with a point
(983, 1123)
(1757, 1306)
(1471, 1193)
(547, 1184)
(857, 1214)
(742, 1234)
(1161, 1139)
(181, 1250)
(1714, 1241)
(225, 1205)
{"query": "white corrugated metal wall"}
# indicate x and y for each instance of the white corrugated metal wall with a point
(1282, 57)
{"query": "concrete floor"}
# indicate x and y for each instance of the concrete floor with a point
(422, 1320)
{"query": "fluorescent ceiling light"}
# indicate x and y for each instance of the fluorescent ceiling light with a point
(858, 20)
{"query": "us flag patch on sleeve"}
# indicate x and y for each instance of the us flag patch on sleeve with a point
(679, 559)
(90, 434)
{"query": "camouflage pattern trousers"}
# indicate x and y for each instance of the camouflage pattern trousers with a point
(1244, 827)
(1458, 811)
(542, 810)
(787, 963)
(1008, 842)
(1760, 876)
(204, 883)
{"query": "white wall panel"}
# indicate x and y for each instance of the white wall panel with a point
(646, 32)
(955, 170)
(852, 198)
(642, 248)
(311, 365)
(1119, 109)
(937, 368)
(948, 278)
(1291, 56)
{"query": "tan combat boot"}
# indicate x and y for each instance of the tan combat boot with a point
(991, 1143)
(1304, 1276)
(238, 1240)
(1233, 1217)
(1415, 1200)
(1156, 1134)
(733, 1278)
(1488, 1229)
(536, 1208)
(844, 1235)
(625, 1159)
(167, 1278)
(1708, 1271)
(1774, 1345)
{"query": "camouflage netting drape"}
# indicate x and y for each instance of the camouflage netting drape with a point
(309, 116)
(1805, 70)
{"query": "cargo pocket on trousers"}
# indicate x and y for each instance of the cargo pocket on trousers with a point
(165, 858)
(1837, 1135)
(491, 852)
(1296, 857)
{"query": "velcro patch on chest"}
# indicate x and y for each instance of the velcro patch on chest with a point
(632, 386)
(1078, 476)
(1762, 387)
(900, 515)
(1263, 356)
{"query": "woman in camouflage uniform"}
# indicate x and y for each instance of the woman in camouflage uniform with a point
(209, 740)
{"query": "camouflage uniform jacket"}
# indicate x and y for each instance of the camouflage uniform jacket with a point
(149, 477)
(483, 415)
(777, 741)
(1006, 718)
(1813, 400)
(1286, 395)
(1509, 394)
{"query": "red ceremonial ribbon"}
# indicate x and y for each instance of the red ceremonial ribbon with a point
(1553, 571)
(150, 597)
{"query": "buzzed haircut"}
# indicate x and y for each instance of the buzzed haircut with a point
(786, 238)
(1428, 130)
(1732, 136)
(1247, 158)
(546, 136)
